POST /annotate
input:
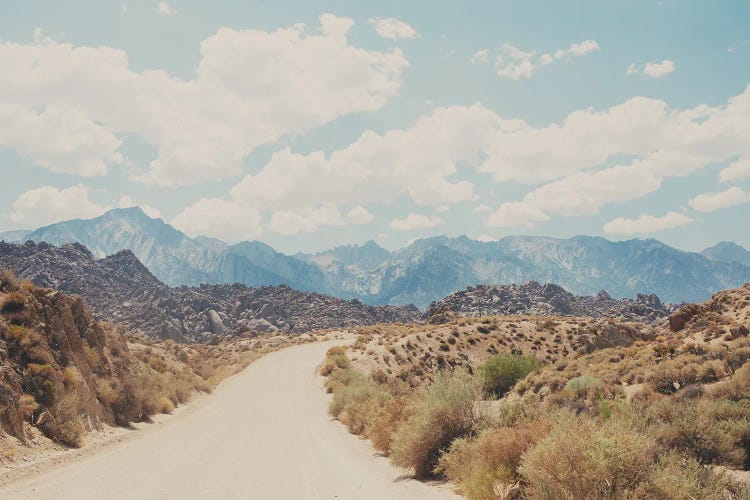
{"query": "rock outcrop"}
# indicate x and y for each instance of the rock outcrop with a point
(544, 299)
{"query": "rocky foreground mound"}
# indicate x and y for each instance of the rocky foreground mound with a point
(120, 289)
(546, 300)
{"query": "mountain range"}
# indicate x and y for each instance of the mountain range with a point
(425, 271)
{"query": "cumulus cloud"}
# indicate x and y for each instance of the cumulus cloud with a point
(360, 215)
(392, 28)
(570, 164)
(164, 9)
(414, 222)
(736, 170)
(221, 219)
(516, 64)
(306, 220)
(46, 205)
(247, 91)
(652, 69)
(647, 223)
(60, 140)
(480, 56)
(709, 202)
(516, 214)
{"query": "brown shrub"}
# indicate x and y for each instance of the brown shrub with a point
(478, 465)
(445, 413)
(583, 459)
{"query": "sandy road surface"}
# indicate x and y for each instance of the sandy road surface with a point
(264, 434)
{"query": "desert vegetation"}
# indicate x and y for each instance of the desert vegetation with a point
(665, 414)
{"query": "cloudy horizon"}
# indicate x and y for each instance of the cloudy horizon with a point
(336, 124)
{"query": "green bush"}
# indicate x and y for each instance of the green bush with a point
(501, 372)
(445, 413)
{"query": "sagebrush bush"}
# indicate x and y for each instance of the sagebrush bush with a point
(445, 413)
(383, 427)
(481, 464)
(63, 423)
(581, 458)
(501, 372)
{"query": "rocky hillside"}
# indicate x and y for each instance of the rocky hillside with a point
(120, 289)
(544, 299)
(63, 373)
(726, 315)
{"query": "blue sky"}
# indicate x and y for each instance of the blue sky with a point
(382, 120)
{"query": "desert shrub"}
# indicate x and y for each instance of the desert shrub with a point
(710, 431)
(8, 281)
(27, 405)
(501, 372)
(335, 358)
(443, 414)
(675, 477)
(383, 427)
(584, 459)
(356, 403)
(13, 303)
(582, 383)
(490, 460)
(63, 423)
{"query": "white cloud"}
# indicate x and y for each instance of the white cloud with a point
(570, 163)
(486, 238)
(709, 202)
(516, 214)
(392, 28)
(60, 140)
(46, 205)
(419, 160)
(481, 208)
(516, 64)
(736, 170)
(360, 215)
(414, 222)
(306, 220)
(652, 69)
(248, 91)
(647, 223)
(479, 57)
(163, 9)
(221, 219)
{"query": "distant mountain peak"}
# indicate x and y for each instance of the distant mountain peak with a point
(728, 251)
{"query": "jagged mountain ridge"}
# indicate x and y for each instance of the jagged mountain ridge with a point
(119, 288)
(420, 273)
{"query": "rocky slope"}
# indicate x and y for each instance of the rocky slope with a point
(547, 300)
(420, 273)
(120, 289)
(63, 373)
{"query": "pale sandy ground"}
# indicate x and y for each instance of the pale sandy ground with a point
(263, 434)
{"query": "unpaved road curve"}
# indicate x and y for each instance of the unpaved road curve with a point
(263, 434)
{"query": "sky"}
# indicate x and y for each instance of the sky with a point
(313, 124)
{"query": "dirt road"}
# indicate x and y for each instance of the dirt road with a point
(264, 434)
